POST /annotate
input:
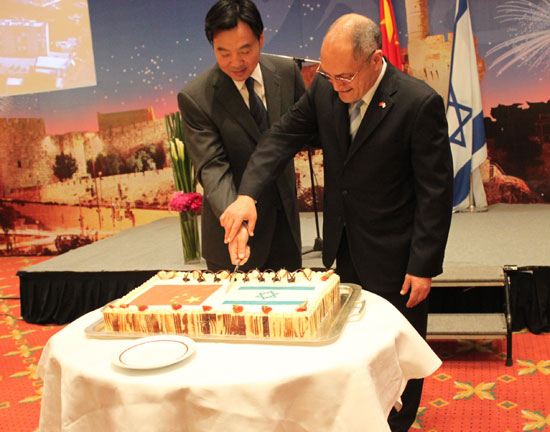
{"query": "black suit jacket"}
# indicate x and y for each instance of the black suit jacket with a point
(220, 135)
(391, 188)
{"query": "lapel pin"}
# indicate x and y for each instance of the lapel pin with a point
(382, 105)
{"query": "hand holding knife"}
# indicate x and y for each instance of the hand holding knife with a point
(239, 250)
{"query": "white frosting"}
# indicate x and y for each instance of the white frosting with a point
(281, 295)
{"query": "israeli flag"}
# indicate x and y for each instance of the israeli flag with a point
(465, 115)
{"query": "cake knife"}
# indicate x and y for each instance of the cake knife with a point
(232, 277)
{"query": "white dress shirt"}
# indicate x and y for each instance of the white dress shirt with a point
(258, 86)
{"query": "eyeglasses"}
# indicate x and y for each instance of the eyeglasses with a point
(344, 78)
(340, 78)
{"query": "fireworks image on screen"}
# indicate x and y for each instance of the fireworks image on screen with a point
(530, 42)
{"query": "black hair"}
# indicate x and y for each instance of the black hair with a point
(226, 14)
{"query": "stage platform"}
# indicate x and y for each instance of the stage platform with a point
(480, 246)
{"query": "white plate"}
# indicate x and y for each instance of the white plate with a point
(154, 352)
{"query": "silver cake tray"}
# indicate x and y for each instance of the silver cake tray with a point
(330, 330)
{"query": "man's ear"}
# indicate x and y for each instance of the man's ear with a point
(377, 56)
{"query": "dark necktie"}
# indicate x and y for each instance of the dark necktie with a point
(257, 108)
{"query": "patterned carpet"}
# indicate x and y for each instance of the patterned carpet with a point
(20, 348)
(472, 391)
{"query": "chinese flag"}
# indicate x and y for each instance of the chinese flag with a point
(390, 42)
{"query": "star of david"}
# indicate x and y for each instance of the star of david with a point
(463, 115)
(267, 294)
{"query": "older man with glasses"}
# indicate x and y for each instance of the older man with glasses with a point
(388, 176)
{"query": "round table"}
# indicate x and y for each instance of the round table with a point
(348, 385)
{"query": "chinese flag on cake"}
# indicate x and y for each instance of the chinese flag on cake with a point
(390, 41)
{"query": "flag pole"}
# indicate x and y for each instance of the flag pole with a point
(472, 208)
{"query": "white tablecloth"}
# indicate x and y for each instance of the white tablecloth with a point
(348, 385)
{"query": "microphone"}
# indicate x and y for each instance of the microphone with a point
(298, 60)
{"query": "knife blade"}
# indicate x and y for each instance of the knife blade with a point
(233, 276)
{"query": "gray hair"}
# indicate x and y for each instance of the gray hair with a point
(366, 38)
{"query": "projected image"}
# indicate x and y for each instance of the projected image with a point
(45, 45)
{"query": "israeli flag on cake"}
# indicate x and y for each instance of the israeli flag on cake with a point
(465, 115)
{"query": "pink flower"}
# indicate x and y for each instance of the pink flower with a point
(196, 204)
(186, 201)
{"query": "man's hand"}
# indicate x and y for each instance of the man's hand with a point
(419, 287)
(241, 210)
(238, 248)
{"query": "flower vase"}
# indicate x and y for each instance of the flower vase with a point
(190, 237)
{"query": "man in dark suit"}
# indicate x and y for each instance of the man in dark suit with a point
(388, 175)
(221, 133)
